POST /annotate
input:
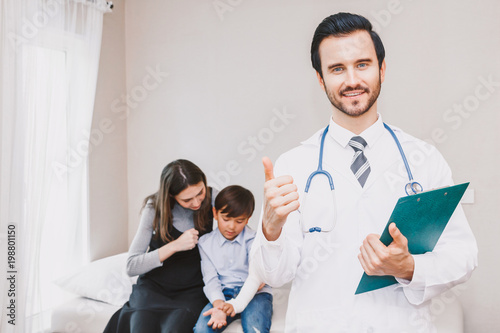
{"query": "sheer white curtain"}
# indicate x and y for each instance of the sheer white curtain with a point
(49, 61)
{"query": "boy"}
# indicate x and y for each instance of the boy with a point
(224, 263)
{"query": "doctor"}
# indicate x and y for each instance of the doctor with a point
(324, 245)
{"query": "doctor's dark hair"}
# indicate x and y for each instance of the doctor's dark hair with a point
(341, 25)
(176, 177)
(235, 201)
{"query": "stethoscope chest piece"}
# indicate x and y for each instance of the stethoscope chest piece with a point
(413, 188)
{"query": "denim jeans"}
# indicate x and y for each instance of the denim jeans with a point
(255, 318)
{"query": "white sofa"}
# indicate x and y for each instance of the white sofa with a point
(85, 315)
(101, 288)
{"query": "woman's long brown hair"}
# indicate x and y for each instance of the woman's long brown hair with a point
(175, 178)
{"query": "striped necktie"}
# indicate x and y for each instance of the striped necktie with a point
(359, 165)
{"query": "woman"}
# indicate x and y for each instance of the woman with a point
(168, 296)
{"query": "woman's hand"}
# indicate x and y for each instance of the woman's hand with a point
(186, 241)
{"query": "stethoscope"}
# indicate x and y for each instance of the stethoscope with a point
(412, 187)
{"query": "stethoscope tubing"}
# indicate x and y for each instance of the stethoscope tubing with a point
(412, 187)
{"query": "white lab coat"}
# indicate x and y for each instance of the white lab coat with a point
(324, 266)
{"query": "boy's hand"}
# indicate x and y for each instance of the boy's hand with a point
(228, 309)
(217, 319)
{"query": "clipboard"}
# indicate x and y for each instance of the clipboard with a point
(421, 218)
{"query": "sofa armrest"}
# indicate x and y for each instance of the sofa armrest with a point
(82, 315)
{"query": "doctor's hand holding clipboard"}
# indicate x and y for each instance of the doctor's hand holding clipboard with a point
(395, 259)
(281, 198)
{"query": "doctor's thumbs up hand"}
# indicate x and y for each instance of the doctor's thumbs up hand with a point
(280, 199)
(395, 259)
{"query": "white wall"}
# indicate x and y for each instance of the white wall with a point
(221, 79)
(108, 148)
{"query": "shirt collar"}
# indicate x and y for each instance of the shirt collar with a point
(221, 239)
(342, 135)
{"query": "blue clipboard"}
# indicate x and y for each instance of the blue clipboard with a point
(421, 218)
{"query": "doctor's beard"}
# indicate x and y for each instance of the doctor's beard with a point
(354, 109)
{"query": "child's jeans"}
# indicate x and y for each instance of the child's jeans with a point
(255, 318)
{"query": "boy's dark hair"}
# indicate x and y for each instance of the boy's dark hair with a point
(339, 25)
(235, 201)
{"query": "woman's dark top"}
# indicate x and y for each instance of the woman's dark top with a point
(168, 298)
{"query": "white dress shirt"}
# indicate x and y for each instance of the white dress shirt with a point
(324, 266)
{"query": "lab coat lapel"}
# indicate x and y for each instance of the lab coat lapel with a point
(388, 162)
(381, 166)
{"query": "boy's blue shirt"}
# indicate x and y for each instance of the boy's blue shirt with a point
(224, 263)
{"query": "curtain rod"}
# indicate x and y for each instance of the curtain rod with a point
(103, 5)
